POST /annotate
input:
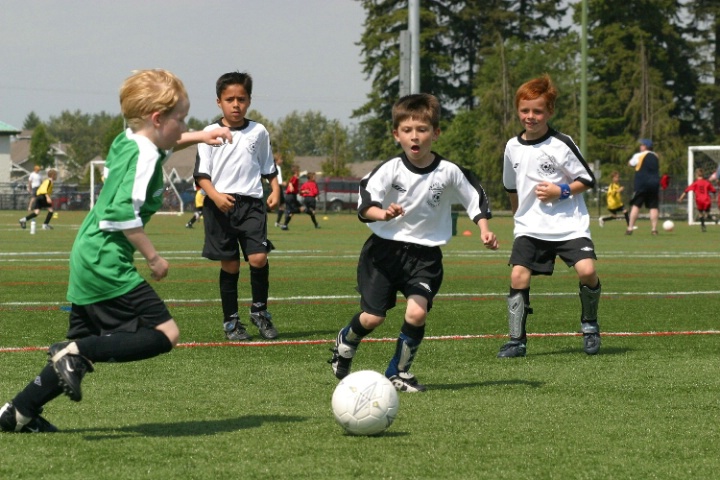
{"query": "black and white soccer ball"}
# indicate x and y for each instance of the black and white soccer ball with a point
(365, 403)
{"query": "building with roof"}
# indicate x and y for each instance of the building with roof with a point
(6, 164)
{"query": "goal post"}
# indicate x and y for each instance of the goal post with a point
(706, 157)
(172, 201)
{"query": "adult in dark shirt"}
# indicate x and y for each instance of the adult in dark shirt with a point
(647, 185)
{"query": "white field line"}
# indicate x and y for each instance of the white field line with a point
(277, 343)
(280, 255)
(181, 301)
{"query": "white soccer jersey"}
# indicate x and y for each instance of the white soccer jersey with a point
(237, 167)
(556, 159)
(426, 195)
(35, 180)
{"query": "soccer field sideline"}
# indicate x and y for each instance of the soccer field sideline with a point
(284, 343)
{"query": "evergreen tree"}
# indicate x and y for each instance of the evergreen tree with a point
(643, 83)
(31, 121)
(40, 147)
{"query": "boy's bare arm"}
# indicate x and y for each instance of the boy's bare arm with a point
(513, 202)
(158, 265)
(274, 198)
(377, 214)
(488, 238)
(547, 192)
(221, 200)
(216, 136)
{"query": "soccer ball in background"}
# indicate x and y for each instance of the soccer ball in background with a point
(668, 225)
(365, 403)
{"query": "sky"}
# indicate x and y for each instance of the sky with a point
(74, 55)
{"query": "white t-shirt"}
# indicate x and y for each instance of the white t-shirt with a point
(556, 159)
(34, 179)
(238, 167)
(426, 195)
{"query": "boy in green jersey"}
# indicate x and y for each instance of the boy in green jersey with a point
(116, 316)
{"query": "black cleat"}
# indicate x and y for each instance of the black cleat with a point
(341, 360)
(13, 421)
(591, 337)
(406, 382)
(512, 349)
(23, 223)
(70, 367)
(263, 320)
(235, 331)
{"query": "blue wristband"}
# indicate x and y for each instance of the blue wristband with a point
(564, 190)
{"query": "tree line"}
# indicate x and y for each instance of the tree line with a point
(652, 73)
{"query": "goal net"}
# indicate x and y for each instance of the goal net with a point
(172, 201)
(708, 158)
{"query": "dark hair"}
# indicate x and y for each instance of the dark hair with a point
(419, 106)
(233, 78)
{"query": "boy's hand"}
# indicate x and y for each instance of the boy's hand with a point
(547, 191)
(273, 200)
(489, 240)
(219, 136)
(158, 267)
(224, 202)
(394, 210)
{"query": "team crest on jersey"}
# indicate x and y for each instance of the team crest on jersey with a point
(159, 192)
(252, 144)
(399, 188)
(436, 190)
(546, 165)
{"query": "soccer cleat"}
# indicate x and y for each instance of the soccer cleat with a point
(601, 222)
(406, 382)
(188, 225)
(70, 367)
(703, 228)
(263, 320)
(23, 223)
(235, 331)
(47, 226)
(591, 337)
(512, 349)
(341, 360)
(317, 226)
(13, 421)
(277, 224)
(628, 232)
(283, 227)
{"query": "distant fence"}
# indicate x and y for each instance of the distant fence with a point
(14, 196)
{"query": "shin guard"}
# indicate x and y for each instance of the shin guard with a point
(589, 299)
(518, 310)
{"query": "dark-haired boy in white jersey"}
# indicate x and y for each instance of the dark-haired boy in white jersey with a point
(406, 203)
(234, 210)
(545, 174)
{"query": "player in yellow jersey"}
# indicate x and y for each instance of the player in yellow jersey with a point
(42, 200)
(614, 200)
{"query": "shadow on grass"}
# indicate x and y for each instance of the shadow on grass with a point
(193, 428)
(579, 351)
(315, 335)
(493, 383)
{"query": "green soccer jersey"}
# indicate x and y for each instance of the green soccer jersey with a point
(101, 261)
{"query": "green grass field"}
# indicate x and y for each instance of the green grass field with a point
(646, 407)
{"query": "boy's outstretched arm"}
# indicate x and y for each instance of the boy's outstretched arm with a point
(216, 136)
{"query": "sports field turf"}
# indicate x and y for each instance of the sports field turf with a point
(646, 407)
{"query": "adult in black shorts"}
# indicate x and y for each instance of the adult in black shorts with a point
(647, 185)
